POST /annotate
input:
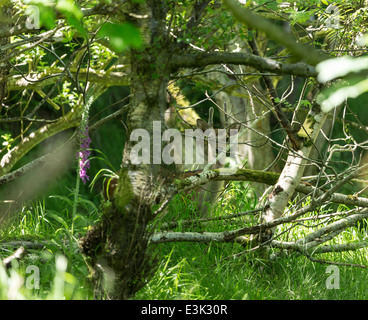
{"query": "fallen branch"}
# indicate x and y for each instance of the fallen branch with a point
(161, 237)
(23, 243)
(185, 223)
(320, 236)
(323, 261)
(225, 236)
(353, 246)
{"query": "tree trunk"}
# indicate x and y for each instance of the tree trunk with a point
(242, 106)
(123, 255)
(121, 261)
(293, 170)
(253, 147)
(5, 13)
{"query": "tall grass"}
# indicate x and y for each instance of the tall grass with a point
(186, 270)
(229, 271)
(60, 269)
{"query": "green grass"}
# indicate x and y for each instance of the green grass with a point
(215, 271)
(224, 271)
(37, 223)
(197, 272)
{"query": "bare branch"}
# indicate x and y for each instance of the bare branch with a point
(260, 63)
(300, 51)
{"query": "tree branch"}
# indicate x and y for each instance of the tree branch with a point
(199, 60)
(278, 106)
(38, 81)
(17, 255)
(45, 158)
(270, 178)
(274, 32)
(12, 156)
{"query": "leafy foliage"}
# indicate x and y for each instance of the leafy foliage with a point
(90, 47)
(121, 36)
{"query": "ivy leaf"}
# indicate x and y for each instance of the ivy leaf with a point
(121, 36)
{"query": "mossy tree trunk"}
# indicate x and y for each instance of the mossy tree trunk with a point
(121, 261)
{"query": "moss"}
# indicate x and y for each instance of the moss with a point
(240, 175)
(257, 176)
(307, 128)
(124, 191)
(307, 143)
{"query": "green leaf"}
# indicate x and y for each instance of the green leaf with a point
(339, 67)
(73, 15)
(68, 7)
(300, 16)
(47, 17)
(74, 22)
(62, 198)
(355, 83)
(58, 219)
(338, 93)
(121, 36)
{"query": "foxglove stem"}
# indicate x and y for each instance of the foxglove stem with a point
(83, 154)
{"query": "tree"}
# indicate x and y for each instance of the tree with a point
(146, 45)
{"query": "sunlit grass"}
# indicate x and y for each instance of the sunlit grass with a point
(228, 271)
(186, 270)
(38, 224)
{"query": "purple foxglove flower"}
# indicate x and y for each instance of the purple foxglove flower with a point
(84, 153)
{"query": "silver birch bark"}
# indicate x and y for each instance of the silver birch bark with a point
(293, 170)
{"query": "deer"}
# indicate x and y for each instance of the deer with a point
(213, 152)
(210, 153)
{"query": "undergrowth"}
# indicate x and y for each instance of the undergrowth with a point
(186, 270)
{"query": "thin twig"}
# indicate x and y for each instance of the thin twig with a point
(323, 261)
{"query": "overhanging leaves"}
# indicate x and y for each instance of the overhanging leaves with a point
(121, 36)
